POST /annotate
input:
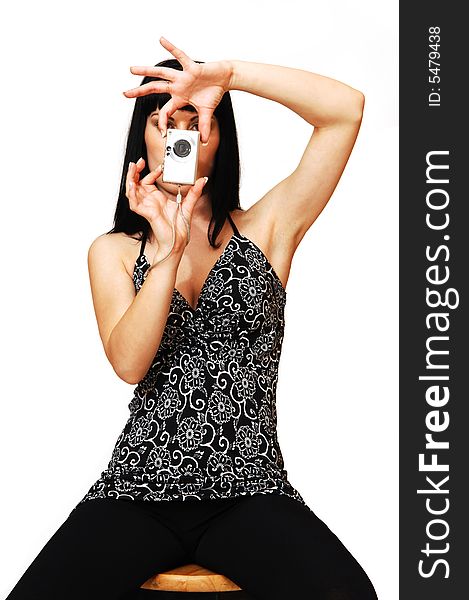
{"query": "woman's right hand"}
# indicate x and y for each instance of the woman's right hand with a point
(149, 202)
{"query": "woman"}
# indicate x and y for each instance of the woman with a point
(197, 475)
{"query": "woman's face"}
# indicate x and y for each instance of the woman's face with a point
(155, 144)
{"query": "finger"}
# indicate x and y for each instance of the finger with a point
(130, 193)
(140, 165)
(163, 72)
(195, 192)
(205, 121)
(152, 87)
(176, 52)
(152, 175)
(166, 111)
(130, 175)
(133, 172)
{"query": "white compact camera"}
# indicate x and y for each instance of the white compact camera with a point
(181, 156)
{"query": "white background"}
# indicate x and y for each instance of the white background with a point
(64, 121)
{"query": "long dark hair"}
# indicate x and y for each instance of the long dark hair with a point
(223, 184)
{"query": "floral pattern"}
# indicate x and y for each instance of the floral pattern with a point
(203, 420)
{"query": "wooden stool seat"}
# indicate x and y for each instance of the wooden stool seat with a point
(190, 578)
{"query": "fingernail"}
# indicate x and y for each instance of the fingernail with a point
(206, 179)
(130, 164)
(163, 133)
(131, 185)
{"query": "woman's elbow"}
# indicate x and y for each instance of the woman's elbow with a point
(127, 375)
(122, 369)
(358, 106)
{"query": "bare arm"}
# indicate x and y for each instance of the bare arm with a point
(320, 100)
(333, 108)
(130, 325)
(335, 111)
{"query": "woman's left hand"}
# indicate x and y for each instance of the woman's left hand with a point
(201, 85)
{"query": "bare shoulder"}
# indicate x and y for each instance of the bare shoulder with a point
(115, 247)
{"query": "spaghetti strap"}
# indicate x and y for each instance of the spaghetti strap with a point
(144, 241)
(235, 229)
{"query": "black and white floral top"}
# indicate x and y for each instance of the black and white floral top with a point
(203, 420)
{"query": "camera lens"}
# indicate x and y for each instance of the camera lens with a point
(181, 148)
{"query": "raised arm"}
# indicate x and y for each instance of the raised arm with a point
(333, 108)
(335, 111)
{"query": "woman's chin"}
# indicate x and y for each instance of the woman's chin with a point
(184, 186)
(173, 187)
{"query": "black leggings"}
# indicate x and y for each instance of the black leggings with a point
(272, 546)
